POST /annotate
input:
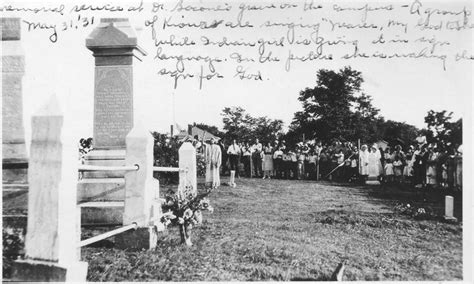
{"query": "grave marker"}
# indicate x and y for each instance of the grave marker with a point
(14, 157)
(52, 234)
(112, 43)
(187, 161)
(449, 208)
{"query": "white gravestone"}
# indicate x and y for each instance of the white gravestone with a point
(53, 234)
(187, 162)
(449, 209)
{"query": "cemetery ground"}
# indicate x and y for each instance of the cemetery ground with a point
(299, 230)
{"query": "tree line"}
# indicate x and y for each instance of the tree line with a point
(336, 108)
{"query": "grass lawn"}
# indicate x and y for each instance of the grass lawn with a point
(297, 230)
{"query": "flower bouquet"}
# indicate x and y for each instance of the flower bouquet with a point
(184, 209)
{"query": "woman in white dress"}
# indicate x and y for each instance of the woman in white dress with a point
(375, 166)
(364, 162)
(267, 161)
(208, 162)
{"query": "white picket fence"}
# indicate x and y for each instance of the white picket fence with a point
(54, 226)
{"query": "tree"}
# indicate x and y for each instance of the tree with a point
(266, 129)
(210, 128)
(235, 123)
(395, 132)
(441, 129)
(336, 108)
(241, 126)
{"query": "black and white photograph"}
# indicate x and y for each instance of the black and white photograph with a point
(225, 141)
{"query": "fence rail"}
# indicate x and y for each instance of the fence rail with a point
(90, 168)
(107, 235)
(169, 169)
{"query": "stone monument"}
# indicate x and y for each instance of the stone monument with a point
(113, 43)
(53, 234)
(14, 157)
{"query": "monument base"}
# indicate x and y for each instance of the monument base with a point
(102, 213)
(141, 238)
(45, 271)
(372, 181)
(101, 189)
(105, 157)
(101, 194)
(450, 219)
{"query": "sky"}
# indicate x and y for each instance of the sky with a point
(404, 90)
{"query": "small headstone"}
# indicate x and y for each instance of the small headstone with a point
(449, 208)
(187, 162)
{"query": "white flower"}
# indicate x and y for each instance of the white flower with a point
(180, 220)
(408, 205)
(198, 217)
(169, 215)
(188, 213)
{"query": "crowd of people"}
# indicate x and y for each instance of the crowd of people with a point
(421, 164)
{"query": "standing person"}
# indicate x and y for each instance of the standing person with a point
(338, 173)
(286, 165)
(312, 160)
(431, 166)
(458, 163)
(257, 157)
(294, 164)
(276, 147)
(354, 165)
(278, 162)
(408, 169)
(305, 151)
(224, 156)
(246, 157)
(323, 163)
(388, 166)
(364, 163)
(347, 163)
(451, 167)
(397, 168)
(233, 152)
(268, 161)
(241, 168)
(300, 168)
(375, 165)
(216, 161)
(419, 166)
(208, 162)
(317, 149)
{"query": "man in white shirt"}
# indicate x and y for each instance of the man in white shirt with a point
(257, 149)
(233, 151)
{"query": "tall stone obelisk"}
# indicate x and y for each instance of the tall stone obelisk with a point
(14, 157)
(113, 43)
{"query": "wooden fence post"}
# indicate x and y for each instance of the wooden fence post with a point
(52, 232)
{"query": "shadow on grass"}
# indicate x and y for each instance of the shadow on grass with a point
(433, 198)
